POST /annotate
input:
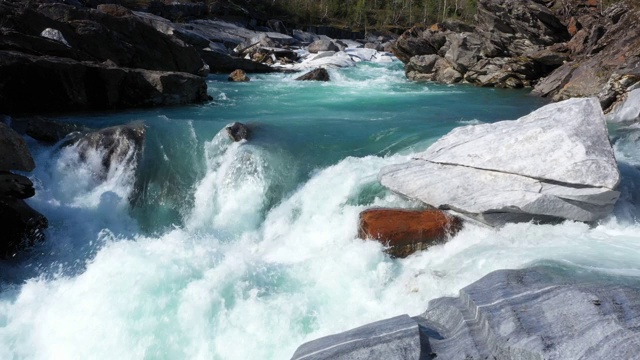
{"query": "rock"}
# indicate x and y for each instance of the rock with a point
(315, 75)
(114, 10)
(238, 76)
(48, 131)
(322, 45)
(503, 72)
(117, 145)
(238, 131)
(536, 313)
(305, 37)
(416, 41)
(407, 231)
(464, 51)
(555, 162)
(14, 153)
(520, 25)
(15, 186)
(54, 35)
(22, 227)
(397, 338)
(339, 59)
(68, 85)
(432, 68)
(628, 111)
(126, 40)
(224, 63)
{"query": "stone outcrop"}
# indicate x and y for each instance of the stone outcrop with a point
(22, 226)
(536, 313)
(74, 85)
(320, 74)
(407, 231)
(555, 162)
(493, 54)
(563, 50)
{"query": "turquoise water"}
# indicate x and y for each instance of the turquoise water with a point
(216, 250)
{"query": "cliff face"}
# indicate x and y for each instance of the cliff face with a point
(573, 50)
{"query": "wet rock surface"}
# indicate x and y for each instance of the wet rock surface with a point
(543, 312)
(407, 231)
(315, 75)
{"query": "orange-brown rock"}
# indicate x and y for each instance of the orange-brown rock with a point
(238, 76)
(407, 231)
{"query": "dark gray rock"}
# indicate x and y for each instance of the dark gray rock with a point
(14, 153)
(319, 74)
(46, 130)
(22, 227)
(238, 131)
(322, 45)
(397, 338)
(68, 85)
(117, 145)
(15, 186)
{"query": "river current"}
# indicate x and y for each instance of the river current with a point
(210, 249)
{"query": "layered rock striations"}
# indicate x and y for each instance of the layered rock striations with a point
(556, 162)
(542, 312)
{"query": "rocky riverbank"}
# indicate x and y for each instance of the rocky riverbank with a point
(573, 49)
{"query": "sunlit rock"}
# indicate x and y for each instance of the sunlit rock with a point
(555, 162)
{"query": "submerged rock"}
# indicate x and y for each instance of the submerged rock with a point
(555, 162)
(320, 74)
(238, 131)
(238, 76)
(117, 145)
(407, 231)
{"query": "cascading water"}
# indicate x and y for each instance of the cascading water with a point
(209, 249)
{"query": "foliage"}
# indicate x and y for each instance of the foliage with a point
(368, 14)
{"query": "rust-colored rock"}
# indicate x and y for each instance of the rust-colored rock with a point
(574, 26)
(238, 76)
(407, 231)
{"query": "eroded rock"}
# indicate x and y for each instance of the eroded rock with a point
(238, 76)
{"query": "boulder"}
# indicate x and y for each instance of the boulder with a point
(556, 162)
(319, 74)
(397, 338)
(238, 76)
(503, 72)
(49, 131)
(68, 85)
(417, 41)
(14, 153)
(117, 146)
(224, 63)
(322, 45)
(15, 186)
(627, 111)
(54, 35)
(407, 231)
(544, 312)
(305, 37)
(22, 227)
(238, 131)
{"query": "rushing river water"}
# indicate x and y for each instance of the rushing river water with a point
(218, 250)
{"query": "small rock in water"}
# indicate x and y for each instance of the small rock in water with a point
(407, 231)
(238, 131)
(238, 76)
(319, 74)
(16, 186)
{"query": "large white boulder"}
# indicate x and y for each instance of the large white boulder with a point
(555, 162)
